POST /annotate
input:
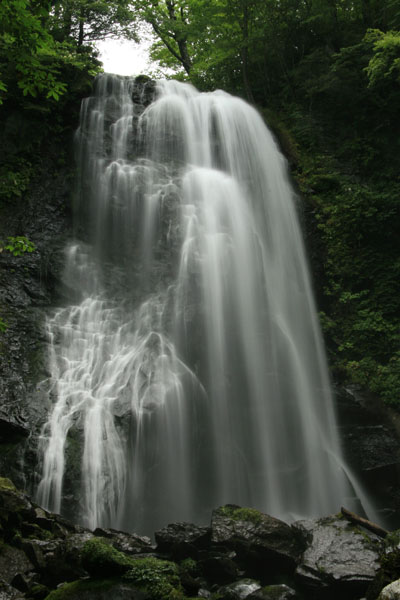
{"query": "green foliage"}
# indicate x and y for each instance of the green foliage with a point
(14, 179)
(101, 559)
(159, 578)
(3, 325)
(190, 566)
(18, 245)
(384, 66)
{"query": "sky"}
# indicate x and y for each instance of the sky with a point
(124, 57)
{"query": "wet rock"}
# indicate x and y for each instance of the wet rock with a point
(391, 591)
(341, 560)
(14, 507)
(129, 543)
(372, 449)
(98, 590)
(11, 430)
(183, 540)
(13, 561)
(8, 592)
(264, 545)
(239, 589)
(29, 284)
(274, 592)
(219, 568)
(144, 90)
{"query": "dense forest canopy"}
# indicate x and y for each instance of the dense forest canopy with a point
(326, 76)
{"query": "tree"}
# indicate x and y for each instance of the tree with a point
(92, 20)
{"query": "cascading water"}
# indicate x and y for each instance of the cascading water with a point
(188, 370)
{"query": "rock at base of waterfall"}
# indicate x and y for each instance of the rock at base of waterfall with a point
(239, 590)
(391, 591)
(182, 540)
(262, 542)
(340, 560)
(274, 592)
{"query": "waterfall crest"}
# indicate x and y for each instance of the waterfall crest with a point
(188, 369)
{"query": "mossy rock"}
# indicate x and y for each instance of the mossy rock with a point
(158, 578)
(96, 589)
(6, 485)
(100, 559)
(238, 513)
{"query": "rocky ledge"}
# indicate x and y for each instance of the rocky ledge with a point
(242, 554)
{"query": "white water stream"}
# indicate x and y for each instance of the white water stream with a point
(188, 370)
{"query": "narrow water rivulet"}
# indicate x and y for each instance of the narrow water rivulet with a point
(188, 369)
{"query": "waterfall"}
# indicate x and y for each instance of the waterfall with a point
(187, 369)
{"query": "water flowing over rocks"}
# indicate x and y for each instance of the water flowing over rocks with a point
(30, 288)
(189, 354)
(43, 556)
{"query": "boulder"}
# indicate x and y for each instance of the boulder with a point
(391, 591)
(13, 562)
(238, 590)
(274, 592)
(340, 561)
(264, 545)
(129, 543)
(8, 592)
(182, 540)
(98, 590)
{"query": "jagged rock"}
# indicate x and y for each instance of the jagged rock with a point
(274, 592)
(263, 544)
(183, 540)
(341, 560)
(129, 543)
(14, 506)
(7, 592)
(372, 449)
(11, 430)
(391, 591)
(219, 568)
(239, 589)
(98, 590)
(144, 89)
(13, 561)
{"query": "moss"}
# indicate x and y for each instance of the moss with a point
(389, 571)
(159, 578)
(240, 514)
(190, 566)
(273, 592)
(34, 532)
(74, 588)
(7, 485)
(100, 559)
(38, 592)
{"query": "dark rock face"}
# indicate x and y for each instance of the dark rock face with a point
(372, 449)
(144, 90)
(29, 286)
